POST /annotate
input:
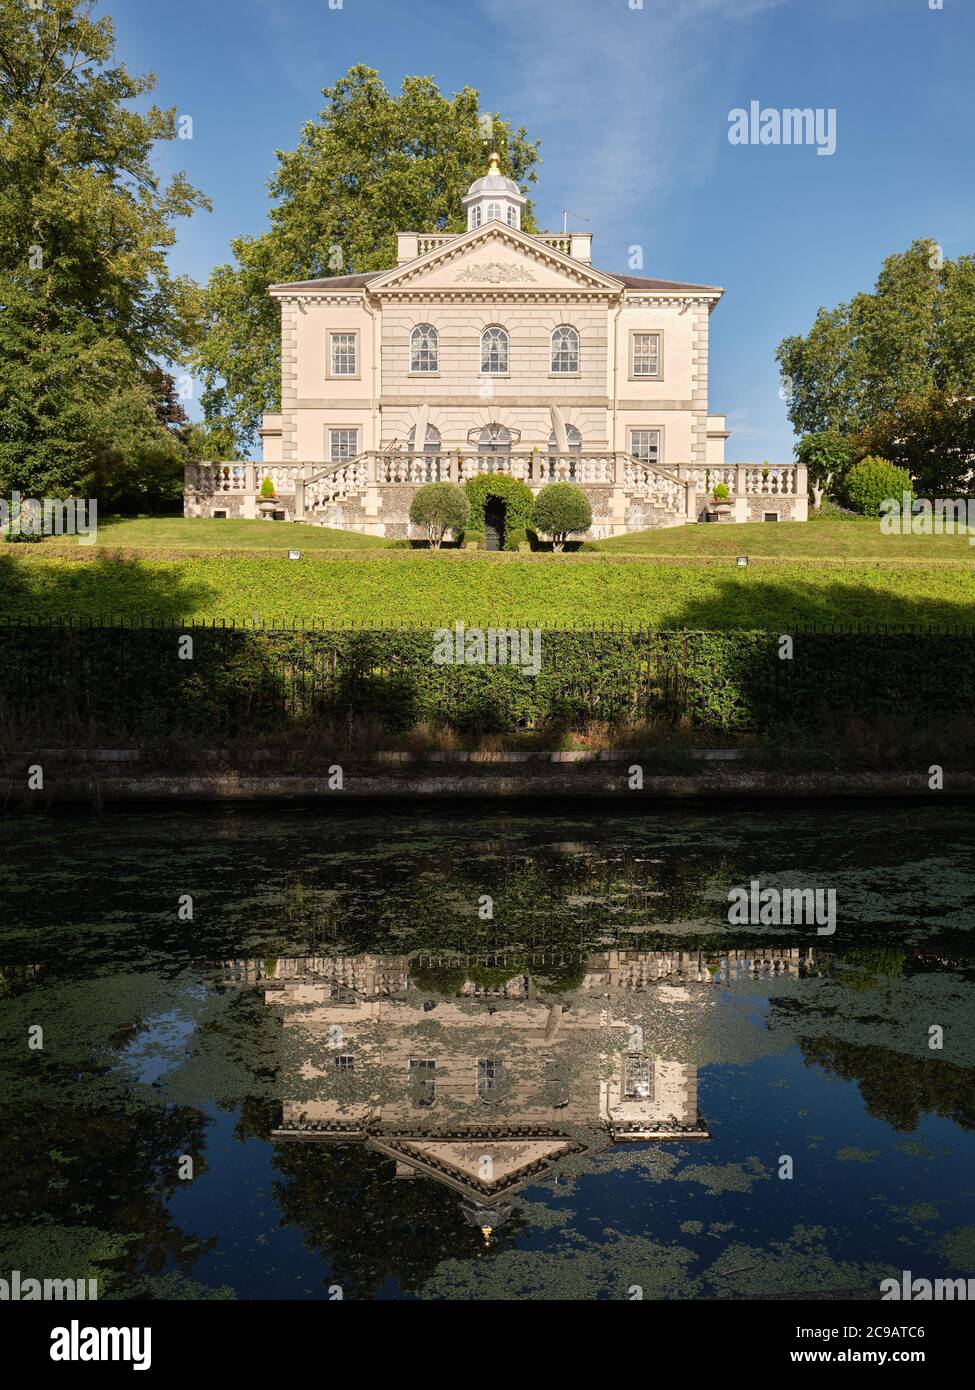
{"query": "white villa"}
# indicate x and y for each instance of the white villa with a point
(495, 350)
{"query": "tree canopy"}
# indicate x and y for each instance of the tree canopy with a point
(87, 300)
(915, 333)
(370, 165)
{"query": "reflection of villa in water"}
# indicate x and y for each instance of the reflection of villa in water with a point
(488, 1090)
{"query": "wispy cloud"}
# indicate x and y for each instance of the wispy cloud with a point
(620, 93)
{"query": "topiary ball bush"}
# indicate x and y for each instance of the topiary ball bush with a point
(560, 510)
(871, 482)
(439, 508)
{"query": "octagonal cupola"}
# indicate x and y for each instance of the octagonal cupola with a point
(493, 198)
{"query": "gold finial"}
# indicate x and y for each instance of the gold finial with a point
(494, 164)
(486, 1233)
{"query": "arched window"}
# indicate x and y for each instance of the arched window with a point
(475, 216)
(494, 212)
(512, 215)
(424, 348)
(565, 349)
(494, 351)
(431, 444)
(572, 436)
(494, 439)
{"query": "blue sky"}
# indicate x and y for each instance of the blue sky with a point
(631, 106)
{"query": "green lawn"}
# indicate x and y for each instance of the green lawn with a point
(386, 587)
(172, 532)
(821, 538)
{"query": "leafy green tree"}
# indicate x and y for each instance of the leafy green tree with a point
(88, 299)
(372, 164)
(827, 456)
(561, 510)
(914, 333)
(439, 507)
(931, 436)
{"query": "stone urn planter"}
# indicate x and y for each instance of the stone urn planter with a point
(722, 510)
(267, 506)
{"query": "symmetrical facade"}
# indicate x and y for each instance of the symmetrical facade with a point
(494, 350)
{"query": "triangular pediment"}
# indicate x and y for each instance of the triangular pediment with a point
(490, 1164)
(480, 1167)
(495, 258)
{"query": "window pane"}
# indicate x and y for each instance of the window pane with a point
(488, 1076)
(565, 350)
(646, 354)
(637, 1078)
(423, 348)
(494, 350)
(343, 444)
(423, 1081)
(343, 354)
(645, 445)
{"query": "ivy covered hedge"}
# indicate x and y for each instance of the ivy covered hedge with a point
(517, 497)
(131, 683)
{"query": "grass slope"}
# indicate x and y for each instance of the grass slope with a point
(395, 587)
(173, 532)
(834, 536)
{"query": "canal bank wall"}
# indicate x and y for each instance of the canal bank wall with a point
(50, 778)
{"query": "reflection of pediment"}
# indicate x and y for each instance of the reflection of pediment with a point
(481, 1168)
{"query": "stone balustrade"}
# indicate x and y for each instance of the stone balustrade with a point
(389, 468)
(751, 479)
(646, 493)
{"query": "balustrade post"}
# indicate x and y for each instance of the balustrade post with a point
(619, 469)
(300, 496)
(740, 479)
(250, 478)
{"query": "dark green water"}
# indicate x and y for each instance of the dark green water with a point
(342, 1073)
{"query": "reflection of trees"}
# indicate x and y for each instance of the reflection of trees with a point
(111, 1169)
(554, 897)
(370, 1228)
(896, 1087)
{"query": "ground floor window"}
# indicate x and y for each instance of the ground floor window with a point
(342, 445)
(645, 445)
(573, 439)
(494, 439)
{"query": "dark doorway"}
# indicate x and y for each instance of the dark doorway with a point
(494, 524)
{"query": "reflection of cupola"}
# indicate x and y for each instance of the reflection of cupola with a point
(493, 198)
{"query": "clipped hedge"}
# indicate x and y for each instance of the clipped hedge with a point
(125, 683)
(516, 495)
